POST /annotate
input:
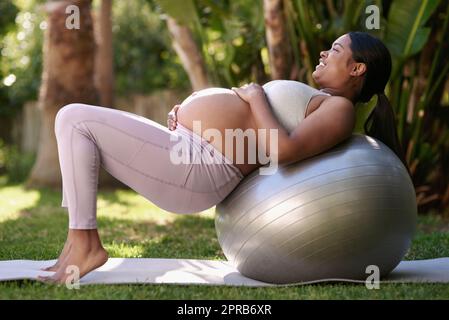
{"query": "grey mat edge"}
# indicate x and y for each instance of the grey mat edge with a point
(406, 272)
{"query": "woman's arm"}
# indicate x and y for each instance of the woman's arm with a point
(330, 124)
(254, 95)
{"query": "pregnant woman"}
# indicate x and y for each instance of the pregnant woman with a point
(139, 152)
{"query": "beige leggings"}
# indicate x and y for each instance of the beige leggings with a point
(136, 151)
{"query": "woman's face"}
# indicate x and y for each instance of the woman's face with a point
(337, 69)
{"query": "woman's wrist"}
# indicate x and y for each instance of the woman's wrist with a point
(257, 98)
(250, 93)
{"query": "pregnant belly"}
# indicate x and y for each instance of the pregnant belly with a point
(219, 109)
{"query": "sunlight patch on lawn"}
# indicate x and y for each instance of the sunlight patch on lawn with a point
(124, 250)
(14, 199)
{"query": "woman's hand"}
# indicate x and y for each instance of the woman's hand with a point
(249, 92)
(172, 120)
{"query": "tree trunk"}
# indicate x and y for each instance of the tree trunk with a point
(278, 42)
(104, 63)
(67, 77)
(189, 53)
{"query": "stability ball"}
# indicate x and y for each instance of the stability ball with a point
(327, 217)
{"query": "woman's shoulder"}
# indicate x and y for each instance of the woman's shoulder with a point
(339, 104)
(339, 100)
(328, 101)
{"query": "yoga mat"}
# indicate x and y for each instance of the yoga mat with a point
(205, 272)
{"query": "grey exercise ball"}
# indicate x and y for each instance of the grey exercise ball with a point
(327, 217)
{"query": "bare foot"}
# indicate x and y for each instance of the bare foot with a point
(85, 252)
(63, 254)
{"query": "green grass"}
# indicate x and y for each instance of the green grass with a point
(34, 226)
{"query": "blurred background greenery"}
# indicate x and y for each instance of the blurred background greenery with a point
(230, 44)
(144, 60)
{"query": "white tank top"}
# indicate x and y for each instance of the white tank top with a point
(289, 100)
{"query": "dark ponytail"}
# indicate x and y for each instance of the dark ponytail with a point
(381, 122)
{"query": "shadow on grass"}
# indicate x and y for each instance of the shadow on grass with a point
(40, 232)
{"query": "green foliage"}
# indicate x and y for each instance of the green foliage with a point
(406, 30)
(9, 11)
(15, 165)
(420, 53)
(22, 60)
(230, 34)
(185, 12)
(237, 50)
(143, 57)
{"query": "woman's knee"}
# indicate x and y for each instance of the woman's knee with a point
(69, 115)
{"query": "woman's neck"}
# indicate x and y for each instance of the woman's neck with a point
(348, 94)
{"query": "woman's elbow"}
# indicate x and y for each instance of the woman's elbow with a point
(301, 150)
(287, 154)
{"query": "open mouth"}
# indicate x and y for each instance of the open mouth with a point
(321, 64)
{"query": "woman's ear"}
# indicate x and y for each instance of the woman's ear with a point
(358, 69)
